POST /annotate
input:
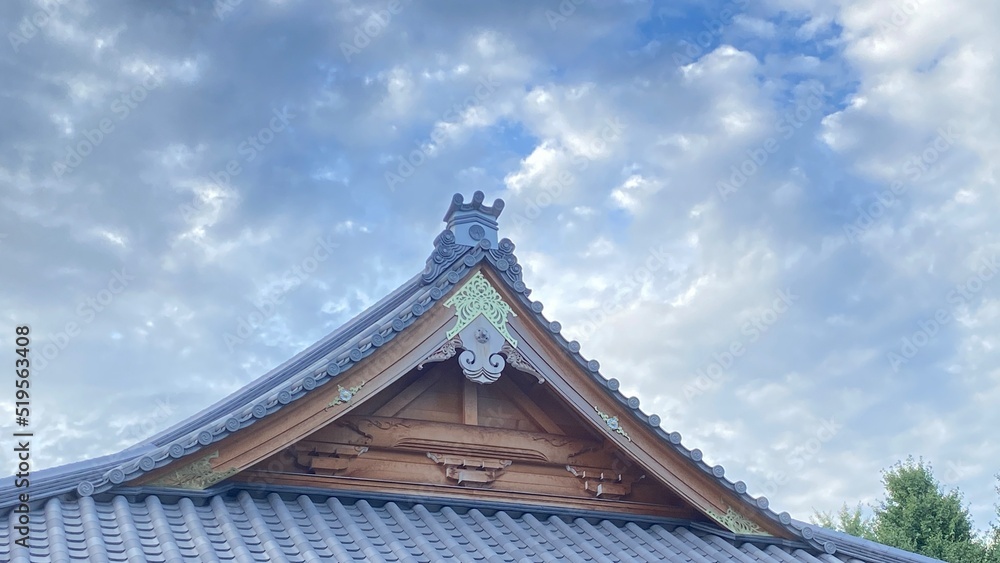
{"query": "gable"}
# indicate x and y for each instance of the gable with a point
(435, 432)
(431, 414)
(437, 395)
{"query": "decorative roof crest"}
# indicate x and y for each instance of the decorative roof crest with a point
(472, 222)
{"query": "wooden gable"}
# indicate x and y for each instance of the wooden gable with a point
(412, 419)
(434, 432)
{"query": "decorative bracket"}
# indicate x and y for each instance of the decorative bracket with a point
(476, 370)
(517, 361)
(612, 422)
(345, 395)
(325, 460)
(471, 472)
(445, 351)
(197, 476)
(736, 522)
(603, 483)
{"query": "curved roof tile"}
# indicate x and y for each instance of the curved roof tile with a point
(348, 345)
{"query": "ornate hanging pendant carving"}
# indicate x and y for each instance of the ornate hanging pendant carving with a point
(478, 298)
(480, 331)
(481, 360)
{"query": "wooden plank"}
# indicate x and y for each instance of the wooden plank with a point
(329, 463)
(530, 408)
(470, 405)
(335, 483)
(399, 402)
(443, 437)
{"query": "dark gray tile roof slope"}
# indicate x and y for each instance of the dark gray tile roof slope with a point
(298, 528)
(334, 355)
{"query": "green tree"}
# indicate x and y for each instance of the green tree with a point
(918, 516)
(847, 520)
(991, 543)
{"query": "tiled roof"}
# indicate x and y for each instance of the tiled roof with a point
(452, 258)
(300, 528)
(339, 352)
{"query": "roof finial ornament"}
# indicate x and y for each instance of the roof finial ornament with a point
(473, 222)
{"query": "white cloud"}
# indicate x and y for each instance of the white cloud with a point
(588, 217)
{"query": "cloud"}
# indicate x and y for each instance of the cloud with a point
(609, 151)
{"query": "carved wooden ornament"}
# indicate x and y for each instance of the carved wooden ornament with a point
(345, 395)
(736, 522)
(197, 476)
(613, 424)
(470, 472)
(478, 298)
(480, 330)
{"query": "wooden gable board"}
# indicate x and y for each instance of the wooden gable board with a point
(247, 454)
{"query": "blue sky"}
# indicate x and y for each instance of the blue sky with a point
(814, 181)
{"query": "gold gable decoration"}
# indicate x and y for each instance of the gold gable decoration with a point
(736, 522)
(478, 297)
(197, 476)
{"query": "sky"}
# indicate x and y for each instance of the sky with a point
(774, 222)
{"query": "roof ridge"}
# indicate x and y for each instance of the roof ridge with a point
(335, 354)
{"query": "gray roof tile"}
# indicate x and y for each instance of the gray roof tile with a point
(249, 530)
(247, 527)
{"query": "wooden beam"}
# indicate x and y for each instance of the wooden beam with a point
(470, 406)
(408, 395)
(530, 408)
(450, 438)
(383, 486)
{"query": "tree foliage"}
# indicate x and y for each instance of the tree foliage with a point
(918, 515)
(847, 520)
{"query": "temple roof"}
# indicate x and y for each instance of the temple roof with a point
(75, 497)
(253, 526)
